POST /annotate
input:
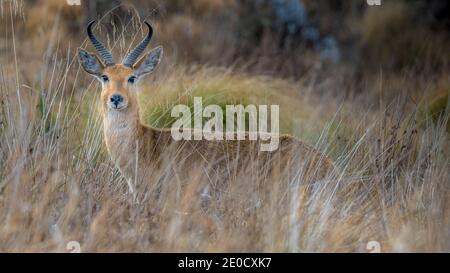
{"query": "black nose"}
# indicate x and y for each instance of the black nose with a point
(116, 99)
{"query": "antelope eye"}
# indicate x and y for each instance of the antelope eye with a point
(105, 78)
(132, 79)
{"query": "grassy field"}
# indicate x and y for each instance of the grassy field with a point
(387, 134)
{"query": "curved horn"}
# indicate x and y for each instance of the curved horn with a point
(131, 58)
(104, 53)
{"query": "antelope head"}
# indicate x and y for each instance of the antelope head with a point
(119, 80)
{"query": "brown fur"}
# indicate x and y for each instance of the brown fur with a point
(138, 150)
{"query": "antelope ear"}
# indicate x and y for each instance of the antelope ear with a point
(90, 62)
(149, 62)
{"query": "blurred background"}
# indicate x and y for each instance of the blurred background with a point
(366, 85)
(286, 38)
(340, 47)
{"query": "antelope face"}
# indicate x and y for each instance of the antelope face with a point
(118, 87)
(119, 80)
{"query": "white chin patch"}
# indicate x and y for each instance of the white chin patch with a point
(118, 108)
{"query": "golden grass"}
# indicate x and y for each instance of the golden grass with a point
(221, 86)
(58, 185)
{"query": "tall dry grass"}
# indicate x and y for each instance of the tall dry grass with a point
(58, 185)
